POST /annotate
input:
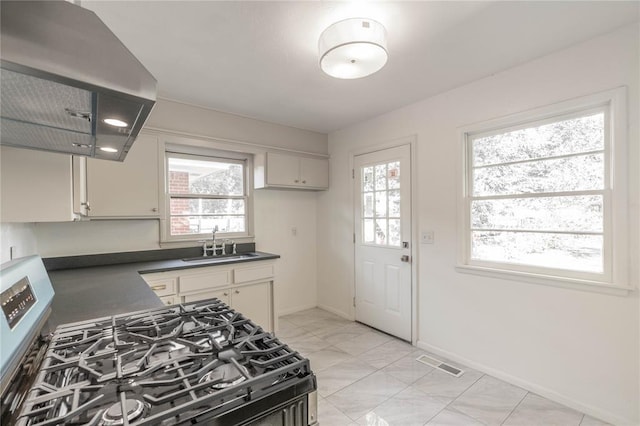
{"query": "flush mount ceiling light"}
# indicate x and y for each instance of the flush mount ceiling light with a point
(353, 48)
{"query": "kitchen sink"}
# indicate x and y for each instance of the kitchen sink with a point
(219, 259)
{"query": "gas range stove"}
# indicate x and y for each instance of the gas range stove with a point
(199, 362)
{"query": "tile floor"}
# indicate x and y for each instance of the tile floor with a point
(369, 378)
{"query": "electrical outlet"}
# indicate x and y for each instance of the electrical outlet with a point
(426, 237)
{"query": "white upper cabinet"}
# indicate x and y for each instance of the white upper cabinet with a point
(291, 171)
(126, 189)
(36, 186)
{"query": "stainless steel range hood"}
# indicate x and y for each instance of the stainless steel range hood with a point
(63, 73)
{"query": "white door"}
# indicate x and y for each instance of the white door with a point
(382, 211)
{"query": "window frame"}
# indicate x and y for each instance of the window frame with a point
(615, 244)
(207, 155)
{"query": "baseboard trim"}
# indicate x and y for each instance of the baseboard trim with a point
(295, 309)
(532, 387)
(336, 311)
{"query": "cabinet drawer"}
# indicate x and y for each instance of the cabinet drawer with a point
(163, 287)
(222, 295)
(170, 300)
(199, 282)
(243, 275)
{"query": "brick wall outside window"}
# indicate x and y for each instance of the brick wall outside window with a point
(179, 184)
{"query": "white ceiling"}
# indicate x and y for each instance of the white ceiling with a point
(260, 59)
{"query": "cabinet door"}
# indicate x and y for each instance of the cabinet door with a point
(314, 172)
(36, 186)
(128, 188)
(223, 295)
(283, 170)
(254, 302)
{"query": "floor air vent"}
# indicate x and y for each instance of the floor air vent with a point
(435, 363)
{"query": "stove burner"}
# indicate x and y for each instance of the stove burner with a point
(175, 365)
(225, 375)
(113, 416)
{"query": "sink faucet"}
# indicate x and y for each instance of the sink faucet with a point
(214, 246)
(213, 234)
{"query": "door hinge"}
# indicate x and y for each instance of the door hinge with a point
(353, 173)
(354, 302)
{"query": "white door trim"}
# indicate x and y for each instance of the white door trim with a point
(412, 141)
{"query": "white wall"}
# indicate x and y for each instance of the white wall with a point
(189, 119)
(276, 212)
(18, 235)
(579, 348)
(280, 212)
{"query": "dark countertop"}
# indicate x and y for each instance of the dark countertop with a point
(88, 292)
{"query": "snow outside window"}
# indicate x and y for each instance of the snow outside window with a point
(205, 192)
(538, 195)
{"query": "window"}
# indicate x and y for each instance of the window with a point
(205, 192)
(539, 193)
(380, 194)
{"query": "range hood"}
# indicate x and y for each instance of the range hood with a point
(63, 74)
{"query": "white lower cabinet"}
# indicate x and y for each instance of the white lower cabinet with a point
(251, 298)
(246, 287)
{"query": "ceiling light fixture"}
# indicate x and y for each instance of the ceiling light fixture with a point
(353, 48)
(115, 122)
(108, 149)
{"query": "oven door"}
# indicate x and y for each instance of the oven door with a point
(300, 412)
(294, 405)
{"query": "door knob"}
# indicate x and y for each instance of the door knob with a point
(405, 258)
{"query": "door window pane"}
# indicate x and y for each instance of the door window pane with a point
(394, 175)
(381, 177)
(367, 204)
(381, 199)
(394, 232)
(368, 231)
(367, 179)
(394, 203)
(381, 231)
(381, 204)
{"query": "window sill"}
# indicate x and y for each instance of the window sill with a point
(570, 283)
(198, 241)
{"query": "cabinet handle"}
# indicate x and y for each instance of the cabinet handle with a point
(225, 293)
(296, 181)
(159, 287)
(155, 209)
(237, 291)
(304, 181)
(169, 302)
